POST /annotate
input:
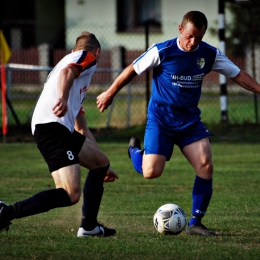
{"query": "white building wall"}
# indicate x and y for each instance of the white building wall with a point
(99, 17)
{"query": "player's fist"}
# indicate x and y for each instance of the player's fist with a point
(110, 176)
(60, 108)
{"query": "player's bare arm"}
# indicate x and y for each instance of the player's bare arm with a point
(247, 82)
(106, 98)
(66, 78)
(81, 126)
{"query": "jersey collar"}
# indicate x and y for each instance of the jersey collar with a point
(178, 44)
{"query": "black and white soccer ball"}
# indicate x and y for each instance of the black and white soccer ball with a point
(170, 219)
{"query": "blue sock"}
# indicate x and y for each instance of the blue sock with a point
(136, 158)
(201, 195)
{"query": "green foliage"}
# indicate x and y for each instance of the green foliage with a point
(244, 30)
(129, 204)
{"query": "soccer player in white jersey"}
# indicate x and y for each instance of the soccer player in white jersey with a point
(60, 129)
(179, 66)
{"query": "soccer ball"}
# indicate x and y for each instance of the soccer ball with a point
(169, 219)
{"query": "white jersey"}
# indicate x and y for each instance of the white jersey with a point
(43, 112)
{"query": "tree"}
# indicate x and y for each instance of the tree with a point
(244, 30)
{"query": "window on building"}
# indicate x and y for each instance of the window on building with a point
(133, 15)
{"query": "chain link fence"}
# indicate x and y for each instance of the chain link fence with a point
(25, 82)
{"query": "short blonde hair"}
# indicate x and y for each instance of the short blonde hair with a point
(87, 41)
(197, 18)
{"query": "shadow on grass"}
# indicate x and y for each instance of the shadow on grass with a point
(223, 132)
(230, 133)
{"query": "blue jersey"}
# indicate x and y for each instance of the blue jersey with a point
(177, 80)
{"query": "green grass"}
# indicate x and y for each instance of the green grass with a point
(129, 204)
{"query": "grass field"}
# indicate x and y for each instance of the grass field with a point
(129, 204)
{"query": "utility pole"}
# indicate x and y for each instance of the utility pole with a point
(222, 79)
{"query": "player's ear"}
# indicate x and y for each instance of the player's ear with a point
(97, 52)
(180, 29)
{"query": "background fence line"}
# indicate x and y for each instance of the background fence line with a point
(129, 106)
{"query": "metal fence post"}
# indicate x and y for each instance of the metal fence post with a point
(222, 79)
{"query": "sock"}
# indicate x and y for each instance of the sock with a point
(92, 196)
(201, 195)
(38, 203)
(194, 221)
(137, 158)
(8, 213)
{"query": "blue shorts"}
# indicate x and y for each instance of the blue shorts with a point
(158, 140)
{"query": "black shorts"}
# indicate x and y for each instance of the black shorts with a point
(58, 146)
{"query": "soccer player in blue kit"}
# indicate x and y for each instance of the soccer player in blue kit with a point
(179, 66)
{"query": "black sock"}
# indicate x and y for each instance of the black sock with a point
(8, 213)
(92, 196)
(38, 203)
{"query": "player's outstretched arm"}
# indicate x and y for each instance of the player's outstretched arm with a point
(82, 127)
(247, 82)
(106, 98)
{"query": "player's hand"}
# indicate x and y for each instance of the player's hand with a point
(60, 108)
(111, 176)
(103, 101)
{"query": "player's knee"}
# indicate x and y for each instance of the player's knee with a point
(101, 162)
(75, 197)
(105, 162)
(152, 173)
(210, 172)
(208, 166)
(207, 170)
